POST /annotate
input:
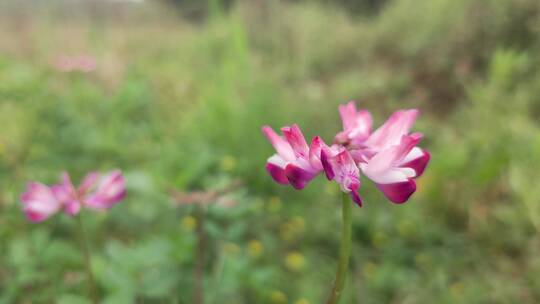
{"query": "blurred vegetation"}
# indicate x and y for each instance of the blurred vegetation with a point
(178, 105)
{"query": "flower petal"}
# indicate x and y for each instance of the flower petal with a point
(417, 159)
(88, 183)
(298, 177)
(282, 147)
(110, 190)
(356, 125)
(348, 115)
(398, 192)
(276, 168)
(388, 159)
(354, 193)
(296, 139)
(390, 133)
(39, 202)
(72, 207)
(343, 169)
(328, 168)
(68, 185)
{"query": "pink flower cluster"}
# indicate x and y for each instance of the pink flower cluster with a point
(95, 192)
(389, 156)
(81, 63)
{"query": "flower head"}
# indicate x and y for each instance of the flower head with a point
(356, 125)
(295, 162)
(81, 63)
(389, 156)
(95, 192)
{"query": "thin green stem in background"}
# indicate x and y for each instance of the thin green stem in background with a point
(198, 270)
(344, 253)
(87, 261)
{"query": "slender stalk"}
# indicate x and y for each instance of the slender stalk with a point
(198, 271)
(344, 253)
(87, 261)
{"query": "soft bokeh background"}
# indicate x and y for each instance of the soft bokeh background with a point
(177, 99)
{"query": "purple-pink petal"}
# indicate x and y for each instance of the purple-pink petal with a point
(327, 166)
(88, 183)
(419, 164)
(110, 190)
(391, 132)
(72, 207)
(354, 194)
(282, 147)
(297, 176)
(296, 139)
(398, 192)
(39, 202)
(277, 173)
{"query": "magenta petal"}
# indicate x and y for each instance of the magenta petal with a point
(72, 207)
(35, 216)
(39, 202)
(277, 173)
(398, 192)
(297, 176)
(111, 189)
(419, 164)
(328, 170)
(88, 182)
(356, 198)
(296, 139)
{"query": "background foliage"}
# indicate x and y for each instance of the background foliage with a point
(177, 101)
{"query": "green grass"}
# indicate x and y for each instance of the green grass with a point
(178, 105)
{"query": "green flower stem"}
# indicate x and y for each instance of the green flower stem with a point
(345, 251)
(87, 261)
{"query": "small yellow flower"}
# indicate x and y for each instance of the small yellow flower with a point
(405, 228)
(298, 223)
(369, 270)
(255, 248)
(456, 289)
(379, 239)
(228, 163)
(292, 229)
(188, 223)
(231, 248)
(295, 261)
(301, 301)
(278, 297)
(274, 204)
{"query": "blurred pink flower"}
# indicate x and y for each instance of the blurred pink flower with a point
(39, 202)
(389, 156)
(81, 63)
(95, 192)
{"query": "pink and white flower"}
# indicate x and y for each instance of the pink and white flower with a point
(391, 134)
(389, 170)
(80, 63)
(39, 202)
(295, 162)
(95, 192)
(389, 156)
